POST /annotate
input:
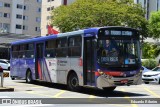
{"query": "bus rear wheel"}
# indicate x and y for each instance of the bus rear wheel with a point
(109, 89)
(12, 78)
(29, 77)
(73, 83)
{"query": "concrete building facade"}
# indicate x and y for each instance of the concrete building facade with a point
(29, 17)
(149, 5)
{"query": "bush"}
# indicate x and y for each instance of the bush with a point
(150, 63)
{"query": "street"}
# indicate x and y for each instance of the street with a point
(48, 90)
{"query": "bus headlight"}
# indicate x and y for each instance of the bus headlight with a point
(104, 75)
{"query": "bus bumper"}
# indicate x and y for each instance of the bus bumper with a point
(105, 81)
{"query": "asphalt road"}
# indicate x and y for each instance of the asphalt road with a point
(48, 90)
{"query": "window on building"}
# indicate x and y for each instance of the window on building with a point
(25, 27)
(50, 0)
(52, 7)
(38, 19)
(48, 17)
(39, 1)
(6, 27)
(37, 29)
(25, 17)
(1, 4)
(7, 15)
(1, 25)
(18, 16)
(26, 7)
(7, 5)
(19, 6)
(38, 9)
(158, 5)
(48, 9)
(18, 26)
(1, 14)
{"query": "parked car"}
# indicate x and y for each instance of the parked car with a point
(5, 64)
(152, 76)
(144, 69)
(1, 69)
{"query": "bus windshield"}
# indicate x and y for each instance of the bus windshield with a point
(118, 52)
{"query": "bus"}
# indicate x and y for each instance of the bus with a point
(100, 57)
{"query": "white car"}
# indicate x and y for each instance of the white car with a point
(152, 76)
(144, 69)
(5, 64)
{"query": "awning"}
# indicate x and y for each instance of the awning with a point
(7, 39)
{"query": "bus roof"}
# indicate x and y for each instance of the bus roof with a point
(84, 31)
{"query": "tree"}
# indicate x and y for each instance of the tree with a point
(154, 25)
(150, 50)
(95, 13)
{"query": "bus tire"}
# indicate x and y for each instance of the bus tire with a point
(73, 82)
(109, 89)
(12, 78)
(29, 77)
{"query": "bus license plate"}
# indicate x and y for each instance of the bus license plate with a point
(124, 81)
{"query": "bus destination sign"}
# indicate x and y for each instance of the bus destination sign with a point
(118, 33)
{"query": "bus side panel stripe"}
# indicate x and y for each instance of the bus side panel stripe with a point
(39, 70)
(46, 71)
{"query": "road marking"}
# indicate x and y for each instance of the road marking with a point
(153, 93)
(118, 105)
(32, 92)
(129, 99)
(92, 96)
(37, 87)
(58, 94)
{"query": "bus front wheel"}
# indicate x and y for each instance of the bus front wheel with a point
(109, 89)
(29, 77)
(73, 83)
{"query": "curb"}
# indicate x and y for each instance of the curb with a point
(5, 89)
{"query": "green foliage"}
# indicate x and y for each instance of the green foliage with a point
(154, 24)
(150, 64)
(150, 50)
(95, 13)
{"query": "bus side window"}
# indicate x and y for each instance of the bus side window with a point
(50, 49)
(15, 51)
(29, 51)
(75, 44)
(62, 49)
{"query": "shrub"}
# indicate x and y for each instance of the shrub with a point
(150, 63)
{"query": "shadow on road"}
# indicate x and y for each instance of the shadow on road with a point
(90, 91)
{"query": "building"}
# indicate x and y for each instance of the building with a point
(22, 19)
(29, 17)
(149, 5)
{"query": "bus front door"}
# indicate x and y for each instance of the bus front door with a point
(39, 61)
(89, 77)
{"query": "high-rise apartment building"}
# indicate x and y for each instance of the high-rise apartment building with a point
(149, 5)
(29, 17)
